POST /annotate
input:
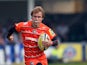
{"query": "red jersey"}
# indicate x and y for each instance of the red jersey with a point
(30, 37)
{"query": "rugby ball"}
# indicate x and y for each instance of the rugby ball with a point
(43, 37)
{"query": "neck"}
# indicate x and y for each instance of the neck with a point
(35, 26)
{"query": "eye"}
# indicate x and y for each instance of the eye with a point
(37, 16)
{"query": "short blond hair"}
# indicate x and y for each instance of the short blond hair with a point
(38, 9)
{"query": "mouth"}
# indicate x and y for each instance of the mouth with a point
(36, 24)
(36, 21)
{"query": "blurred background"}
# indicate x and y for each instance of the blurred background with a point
(68, 18)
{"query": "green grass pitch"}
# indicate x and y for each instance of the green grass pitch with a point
(73, 63)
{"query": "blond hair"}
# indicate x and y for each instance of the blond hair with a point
(38, 9)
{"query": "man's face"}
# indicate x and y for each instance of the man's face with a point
(37, 18)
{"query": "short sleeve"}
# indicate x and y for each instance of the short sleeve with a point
(51, 33)
(18, 26)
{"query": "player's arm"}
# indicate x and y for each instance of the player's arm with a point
(10, 32)
(55, 41)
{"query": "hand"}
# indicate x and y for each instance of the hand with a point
(11, 38)
(47, 43)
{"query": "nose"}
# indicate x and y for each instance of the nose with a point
(36, 18)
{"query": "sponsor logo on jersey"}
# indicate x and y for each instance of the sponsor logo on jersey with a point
(32, 39)
(34, 32)
(31, 63)
(51, 32)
